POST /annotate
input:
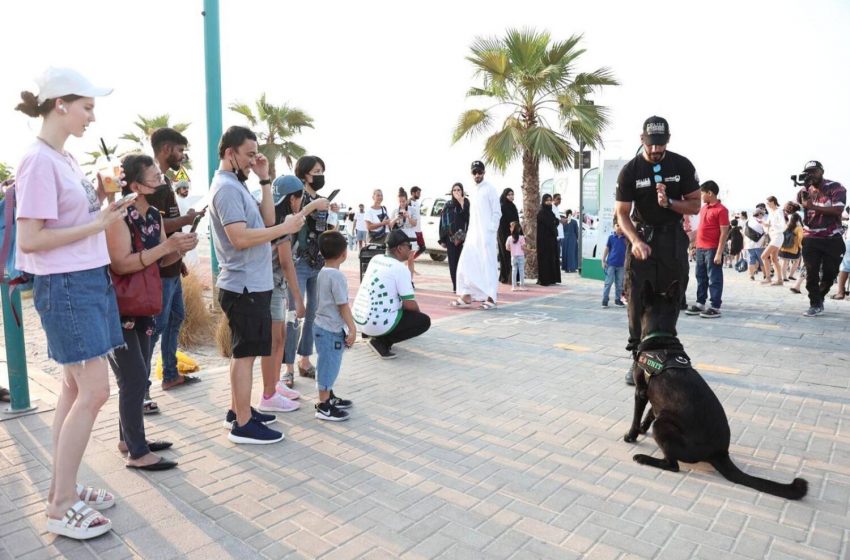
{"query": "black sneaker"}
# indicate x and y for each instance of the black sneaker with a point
(381, 349)
(261, 417)
(618, 303)
(710, 313)
(604, 305)
(630, 379)
(338, 402)
(253, 432)
(694, 309)
(327, 411)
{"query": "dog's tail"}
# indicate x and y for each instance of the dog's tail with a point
(794, 491)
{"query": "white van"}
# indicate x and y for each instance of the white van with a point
(430, 216)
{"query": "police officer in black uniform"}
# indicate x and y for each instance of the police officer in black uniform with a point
(654, 191)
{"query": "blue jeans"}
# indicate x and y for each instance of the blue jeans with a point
(308, 278)
(330, 347)
(709, 278)
(168, 326)
(613, 275)
(518, 270)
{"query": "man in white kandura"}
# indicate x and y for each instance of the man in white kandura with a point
(478, 268)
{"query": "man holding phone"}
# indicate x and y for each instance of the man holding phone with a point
(169, 148)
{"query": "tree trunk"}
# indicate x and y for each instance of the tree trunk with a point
(530, 207)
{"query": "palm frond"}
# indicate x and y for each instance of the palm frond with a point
(548, 145)
(245, 111)
(506, 145)
(470, 123)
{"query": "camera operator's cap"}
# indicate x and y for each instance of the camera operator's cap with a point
(656, 131)
(477, 165)
(396, 238)
(812, 165)
(284, 185)
(59, 82)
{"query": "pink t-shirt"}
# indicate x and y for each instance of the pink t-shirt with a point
(517, 249)
(53, 188)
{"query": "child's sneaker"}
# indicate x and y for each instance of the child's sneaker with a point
(338, 402)
(253, 432)
(327, 411)
(277, 403)
(265, 419)
(283, 389)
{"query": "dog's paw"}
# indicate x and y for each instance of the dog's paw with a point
(641, 459)
(630, 437)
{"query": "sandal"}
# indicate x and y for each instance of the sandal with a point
(487, 305)
(459, 303)
(795, 290)
(838, 296)
(309, 372)
(77, 523)
(95, 498)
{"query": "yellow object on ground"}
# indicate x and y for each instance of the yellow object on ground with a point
(185, 365)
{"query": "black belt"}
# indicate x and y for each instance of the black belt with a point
(647, 232)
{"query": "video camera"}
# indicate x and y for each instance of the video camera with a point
(802, 180)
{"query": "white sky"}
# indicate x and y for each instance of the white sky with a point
(752, 89)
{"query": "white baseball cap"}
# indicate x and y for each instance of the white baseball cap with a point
(58, 82)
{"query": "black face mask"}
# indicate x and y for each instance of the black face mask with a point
(240, 175)
(318, 182)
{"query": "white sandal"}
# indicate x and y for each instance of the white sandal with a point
(460, 303)
(95, 498)
(487, 305)
(77, 523)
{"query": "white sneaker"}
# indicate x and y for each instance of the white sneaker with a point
(285, 391)
(277, 403)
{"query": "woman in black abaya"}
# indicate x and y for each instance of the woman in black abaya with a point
(548, 269)
(509, 214)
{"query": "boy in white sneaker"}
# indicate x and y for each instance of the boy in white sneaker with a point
(334, 329)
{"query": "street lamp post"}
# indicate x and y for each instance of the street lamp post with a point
(212, 60)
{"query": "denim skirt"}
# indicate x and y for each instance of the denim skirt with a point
(79, 314)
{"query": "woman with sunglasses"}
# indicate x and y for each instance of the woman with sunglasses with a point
(136, 243)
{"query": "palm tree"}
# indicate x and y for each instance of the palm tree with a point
(146, 125)
(281, 123)
(6, 171)
(532, 80)
(97, 154)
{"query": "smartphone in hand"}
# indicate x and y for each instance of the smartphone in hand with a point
(195, 223)
(127, 199)
(333, 194)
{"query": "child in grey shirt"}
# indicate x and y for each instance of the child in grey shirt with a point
(334, 328)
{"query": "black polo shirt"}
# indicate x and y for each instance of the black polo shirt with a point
(639, 177)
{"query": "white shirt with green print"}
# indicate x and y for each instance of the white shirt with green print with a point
(377, 307)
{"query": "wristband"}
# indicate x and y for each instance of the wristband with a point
(264, 182)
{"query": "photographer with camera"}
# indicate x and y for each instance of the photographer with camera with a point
(822, 202)
(406, 221)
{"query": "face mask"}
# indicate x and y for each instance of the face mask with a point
(240, 175)
(318, 182)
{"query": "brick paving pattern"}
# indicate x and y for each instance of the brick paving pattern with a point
(498, 434)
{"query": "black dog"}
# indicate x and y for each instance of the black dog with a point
(689, 422)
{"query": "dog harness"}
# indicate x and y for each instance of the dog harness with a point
(653, 362)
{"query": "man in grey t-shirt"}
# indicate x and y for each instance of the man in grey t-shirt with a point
(242, 232)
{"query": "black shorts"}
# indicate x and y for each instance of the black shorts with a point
(787, 255)
(250, 319)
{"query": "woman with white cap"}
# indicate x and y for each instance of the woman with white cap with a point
(62, 243)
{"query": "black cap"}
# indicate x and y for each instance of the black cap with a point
(477, 165)
(396, 238)
(656, 131)
(812, 165)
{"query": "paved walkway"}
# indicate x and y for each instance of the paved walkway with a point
(497, 434)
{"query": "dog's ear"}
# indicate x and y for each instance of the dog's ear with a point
(674, 292)
(648, 292)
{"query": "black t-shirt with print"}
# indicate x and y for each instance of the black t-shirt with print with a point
(165, 201)
(637, 181)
